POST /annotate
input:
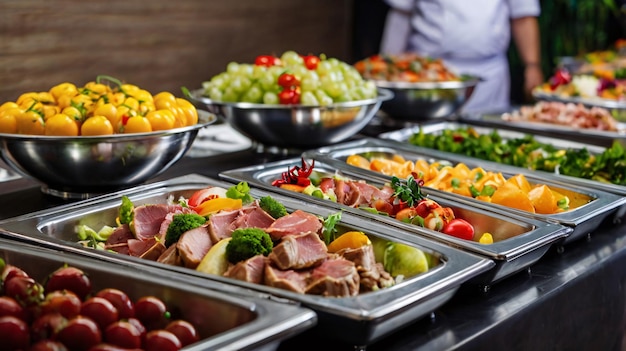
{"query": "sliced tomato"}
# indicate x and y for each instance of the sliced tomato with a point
(459, 228)
(202, 195)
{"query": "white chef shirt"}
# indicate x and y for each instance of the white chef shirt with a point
(471, 36)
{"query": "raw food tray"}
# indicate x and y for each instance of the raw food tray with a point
(583, 220)
(223, 321)
(520, 241)
(591, 136)
(367, 317)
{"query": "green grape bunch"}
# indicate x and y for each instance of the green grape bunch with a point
(290, 79)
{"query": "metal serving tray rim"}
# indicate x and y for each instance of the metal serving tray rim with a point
(604, 201)
(270, 322)
(366, 307)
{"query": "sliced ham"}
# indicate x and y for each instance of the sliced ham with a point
(219, 225)
(170, 256)
(147, 220)
(299, 251)
(120, 235)
(253, 217)
(294, 223)
(288, 280)
(121, 248)
(251, 270)
(193, 245)
(149, 249)
(336, 277)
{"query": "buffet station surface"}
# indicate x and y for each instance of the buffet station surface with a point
(572, 298)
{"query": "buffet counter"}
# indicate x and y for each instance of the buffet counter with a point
(572, 299)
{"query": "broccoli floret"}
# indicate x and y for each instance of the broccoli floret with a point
(181, 223)
(273, 207)
(125, 212)
(248, 242)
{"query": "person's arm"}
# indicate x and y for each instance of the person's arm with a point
(525, 32)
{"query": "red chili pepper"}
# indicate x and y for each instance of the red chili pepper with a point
(296, 175)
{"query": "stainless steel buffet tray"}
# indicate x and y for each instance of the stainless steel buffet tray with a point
(583, 219)
(223, 321)
(519, 241)
(591, 136)
(358, 320)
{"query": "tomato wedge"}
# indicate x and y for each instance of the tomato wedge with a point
(202, 195)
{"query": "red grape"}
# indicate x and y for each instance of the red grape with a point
(184, 331)
(47, 345)
(123, 334)
(10, 307)
(63, 301)
(24, 290)
(151, 312)
(47, 326)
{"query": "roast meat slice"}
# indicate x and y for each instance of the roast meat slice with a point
(252, 217)
(121, 248)
(299, 251)
(149, 249)
(372, 274)
(294, 223)
(148, 219)
(336, 277)
(289, 280)
(120, 235)
(170, 256)
(251, 270)
(219, 224)
(193, 245)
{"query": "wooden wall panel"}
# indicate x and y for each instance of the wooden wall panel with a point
(158, 44)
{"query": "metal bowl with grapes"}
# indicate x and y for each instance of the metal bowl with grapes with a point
(292, 101)
(84, 166)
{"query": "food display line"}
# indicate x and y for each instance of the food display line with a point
(566, 301)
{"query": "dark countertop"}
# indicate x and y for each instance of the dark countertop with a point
(570, 300)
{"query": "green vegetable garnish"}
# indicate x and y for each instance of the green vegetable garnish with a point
(328, 230)
(410, 193)
(240, 191)
(125, 210)
(273, 207)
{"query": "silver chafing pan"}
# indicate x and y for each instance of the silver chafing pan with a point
(358, 320)
(583, 220)
(520, 241)
(223, 321)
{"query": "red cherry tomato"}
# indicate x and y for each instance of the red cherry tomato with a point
(311, 61)
(459, 228)
(267, 61)
(123, 334)
(151, 312)
(286, 96)
(63, 301)
(14, 333)
(47, 326)
(69, 278)
(10, 307)
(47, 345)
(162, 340)
(288, 80)
(99, 310)
(120, 301)
(24, 290)
(184, 331)
(80, 334)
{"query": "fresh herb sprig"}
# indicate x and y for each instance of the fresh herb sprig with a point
(410, 193)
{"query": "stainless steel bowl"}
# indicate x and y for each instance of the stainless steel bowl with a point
(296, 126)
(80, 167)
(417, 102)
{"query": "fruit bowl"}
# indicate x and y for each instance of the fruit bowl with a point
(421, 101)
(81, 167)
(295, 126)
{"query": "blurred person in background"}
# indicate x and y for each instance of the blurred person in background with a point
(471, 37)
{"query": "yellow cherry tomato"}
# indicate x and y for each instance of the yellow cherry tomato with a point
(8, 105)
(137, 124)
(96, 125)
(189, 110)
(116, 98)
(26, 98)
(95, 90)
(30, 122)
(142, 95)
(63, 89)
(74, 113)
(49, 111)
(129, 89)
(145, 107)
(161, 119)
(61, 125)
(164, 100)
(8, 123)
(109, 111)
(131, 103)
